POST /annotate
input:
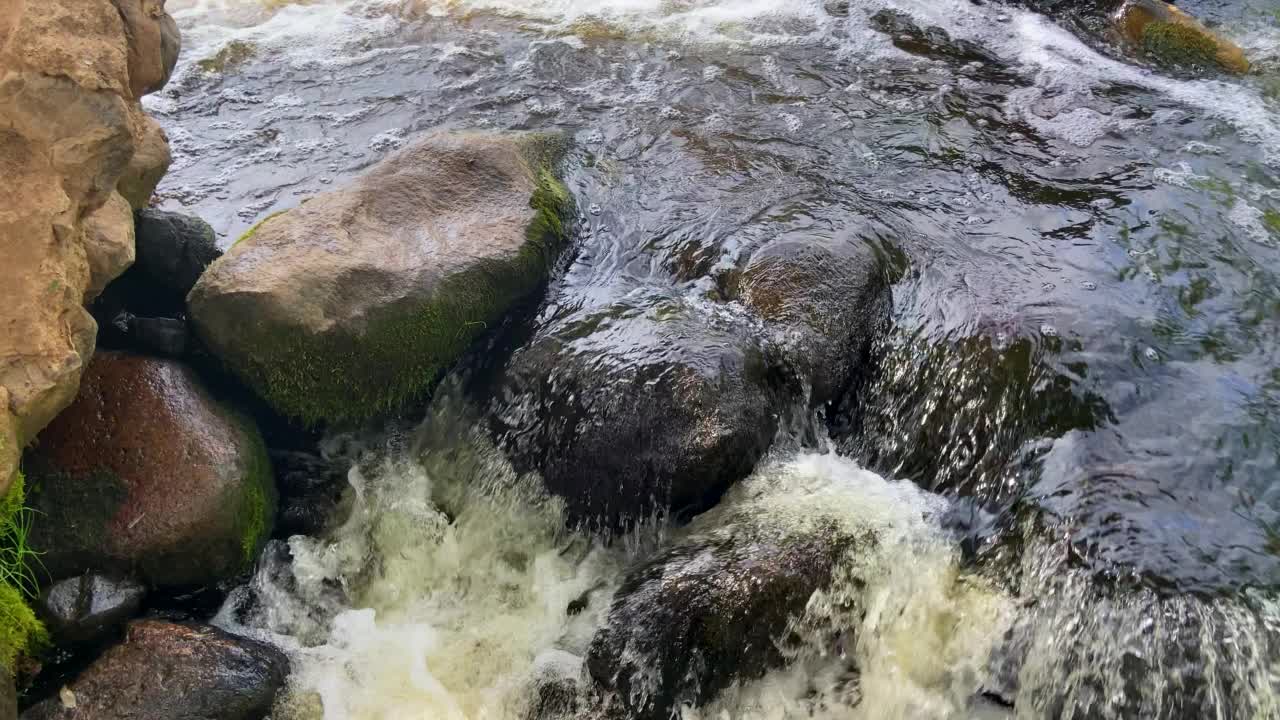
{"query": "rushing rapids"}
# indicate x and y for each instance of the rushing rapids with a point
(1062, 465)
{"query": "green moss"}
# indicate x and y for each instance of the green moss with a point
(1271, 218)
(1179, 44)
(257, 501)
(341, 377)
(233, 55)
(20, 631)
(253, 230)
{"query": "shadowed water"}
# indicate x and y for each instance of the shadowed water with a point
(1084, 247)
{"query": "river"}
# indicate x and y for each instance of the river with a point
(1085, 343)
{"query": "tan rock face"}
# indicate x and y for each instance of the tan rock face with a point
(108, 243)
(146, 473)
(151, 159)
(70, 75)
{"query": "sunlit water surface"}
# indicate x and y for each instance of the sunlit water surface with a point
(1086, 311)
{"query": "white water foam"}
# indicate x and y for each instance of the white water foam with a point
(444, 596)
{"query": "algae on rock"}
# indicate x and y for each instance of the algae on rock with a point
(353, 304)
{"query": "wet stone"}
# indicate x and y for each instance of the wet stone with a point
(167, 671)
(86, 608)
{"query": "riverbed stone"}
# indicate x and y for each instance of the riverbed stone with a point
(88, 607)
(352, 304)
(166, 671)
(146, 473)
(654, 406)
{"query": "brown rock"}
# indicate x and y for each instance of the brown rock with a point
(153, 44)
(164, 671)
(108, 243)
(145, 473)
(151, 159)
(67, 133)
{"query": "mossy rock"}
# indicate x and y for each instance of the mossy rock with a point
(1179, 44)
(353, 304)
(146, 474)
(1175, 38)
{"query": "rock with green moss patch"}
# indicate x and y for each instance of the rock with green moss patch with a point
(146, 473)
(353, 304)
(1173, 37)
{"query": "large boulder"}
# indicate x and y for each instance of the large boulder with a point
(70, 77)
(352, 304)
(638, 408)
(146, 473)
(164, 671)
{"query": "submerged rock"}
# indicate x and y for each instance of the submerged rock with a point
(823, 304)
(353, 303)
(707, 613)
(1174, 37)
(628, 411)
(146, 473)
(86, 608)
(173, 672)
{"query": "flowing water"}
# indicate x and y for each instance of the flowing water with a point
(1074, 423)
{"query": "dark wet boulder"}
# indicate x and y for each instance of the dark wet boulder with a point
(88, 607)
(173, 250)
(165, 671)
(353, 304)
(822, 305)
(146, 473)
(638, 408)
(708, 612)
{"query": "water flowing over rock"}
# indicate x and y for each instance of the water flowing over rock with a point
(704, 614)
(630, 412)
(173, 672)
(146, 473)
(352, 304)
(71, 74)
(658, 404)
